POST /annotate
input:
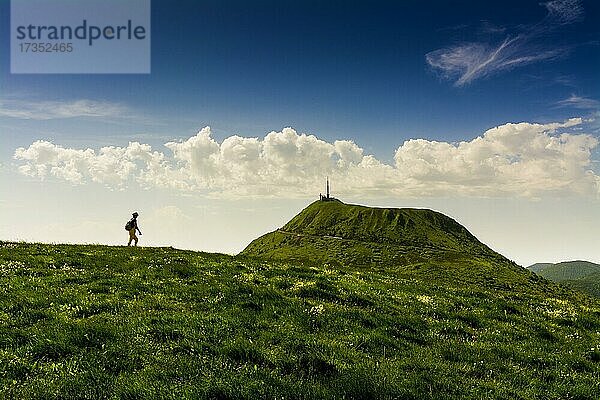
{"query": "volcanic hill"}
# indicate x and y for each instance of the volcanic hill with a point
(336, 233)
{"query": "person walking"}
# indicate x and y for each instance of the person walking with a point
(132, 226)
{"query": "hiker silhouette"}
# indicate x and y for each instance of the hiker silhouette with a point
(131, 227)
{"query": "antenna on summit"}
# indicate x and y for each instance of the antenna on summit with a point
(327, 197)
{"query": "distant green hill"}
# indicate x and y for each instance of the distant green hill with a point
(405, 227)
(343, 234)
(583, 275)
(589, 284)
(538, 267)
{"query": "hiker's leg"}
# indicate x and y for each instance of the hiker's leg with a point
(132, 237)
(136, 240)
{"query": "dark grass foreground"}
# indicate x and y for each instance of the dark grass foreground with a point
(100, 322)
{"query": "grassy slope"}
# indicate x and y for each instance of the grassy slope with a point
(343, 234)
(589, 284)
(114, 322)
(537, 267)
(582, 275)
(414, 227)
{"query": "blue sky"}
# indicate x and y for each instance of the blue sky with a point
(374, 73)
(339, 69)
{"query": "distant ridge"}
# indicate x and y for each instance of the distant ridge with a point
(539, 267)
(582, 275)
(566, 270)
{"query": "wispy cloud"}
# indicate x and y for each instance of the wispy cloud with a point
(47, 110)
(565, 80)
(467, 62)
(488, 27)
(583, 103)
(523, 159)
(564, 11)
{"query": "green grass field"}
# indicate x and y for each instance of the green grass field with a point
(99, 322)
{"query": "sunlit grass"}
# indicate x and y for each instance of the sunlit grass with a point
(117, 322)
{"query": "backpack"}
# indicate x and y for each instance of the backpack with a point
(129, 225)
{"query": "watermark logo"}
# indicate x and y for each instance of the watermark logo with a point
(80, 36)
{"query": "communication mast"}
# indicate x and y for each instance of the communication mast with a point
(327, 196)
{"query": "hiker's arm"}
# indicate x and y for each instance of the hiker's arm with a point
(138, 229)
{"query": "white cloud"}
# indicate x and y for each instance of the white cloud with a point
(467, 62)
(472, 61)
(46, 110)
(111, 166)
(523, 159)
(512, 159)
(584, 103)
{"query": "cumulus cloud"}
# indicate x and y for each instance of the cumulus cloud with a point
(111, 166)
(522, 159)
(510, 159)
(467, 62)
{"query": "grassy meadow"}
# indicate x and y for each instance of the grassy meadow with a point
(100, 322)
